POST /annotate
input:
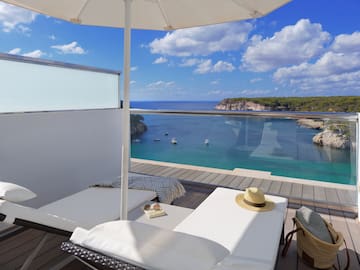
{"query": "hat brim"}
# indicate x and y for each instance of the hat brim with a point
(269, 205)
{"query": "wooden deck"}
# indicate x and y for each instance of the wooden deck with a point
(14, 250)
(335, 196)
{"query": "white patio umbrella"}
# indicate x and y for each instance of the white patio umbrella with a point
(146, 14)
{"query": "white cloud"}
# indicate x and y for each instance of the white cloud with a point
(132, 82)
(160, 84)
(14, 18)
(203, 40)
(337, 70)
(222, 66)
(189, 62)
(52, 37)
(15, 51)
(206, 66)
(24, 29)
(293, 45)
(71, 48)
(34, 54)
(215, 82)
(255, 80)
(160, 60)
(134, 68)
(347, 43)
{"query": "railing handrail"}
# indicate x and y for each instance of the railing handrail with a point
(46, 62)
(271, 114)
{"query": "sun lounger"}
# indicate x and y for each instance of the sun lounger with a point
(224, 235)
(85, 209)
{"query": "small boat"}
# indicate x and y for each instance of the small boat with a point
(206, 142)
(166, 134)
(136, 140)
(173, 141)
(156, 140)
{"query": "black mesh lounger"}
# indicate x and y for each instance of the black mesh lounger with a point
(96, 260)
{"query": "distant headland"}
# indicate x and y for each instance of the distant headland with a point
(305, 104)
(333, 134)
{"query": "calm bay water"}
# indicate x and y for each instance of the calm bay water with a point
(279, 146)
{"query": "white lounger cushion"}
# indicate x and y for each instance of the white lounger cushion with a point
(15, 193)
(150, 247)
(13, 211)
(248, 235)
(93, 206)
(86, 208)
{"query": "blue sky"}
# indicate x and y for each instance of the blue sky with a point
(306, 48)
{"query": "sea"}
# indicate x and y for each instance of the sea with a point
(278, 146)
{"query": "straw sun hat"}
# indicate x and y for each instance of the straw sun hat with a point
(254, 199)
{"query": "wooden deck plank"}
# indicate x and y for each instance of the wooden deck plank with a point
(308, 193)
(170, 172)
(265, 185)
(227, 180)
(50, 256)
(339, 224)
(241, 182)
(319, 193)
(191, 174)
(296, 191)
(177, 173)
(331, 195)
(290, 260)
(256, 182)
(285, 189)
(138, 168)
(209, 178)
(165, 171)
(345, 197)
(354, 230)
(157, 170)
(275, 187)
(201, 177)
(14, 258)
(134, 165)
(218, 179)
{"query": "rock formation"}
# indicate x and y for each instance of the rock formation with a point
(333, 139)
(227, 105)
(138, 127)
(310, 123)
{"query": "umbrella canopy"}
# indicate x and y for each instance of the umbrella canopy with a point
(152, 15)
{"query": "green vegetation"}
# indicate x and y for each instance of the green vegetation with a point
(309, 104)
(137, 125)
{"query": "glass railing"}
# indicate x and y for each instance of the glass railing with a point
(306, 146)
(29, 85)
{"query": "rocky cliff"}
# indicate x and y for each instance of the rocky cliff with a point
(138, 127)
(228, 105)
(334, 135)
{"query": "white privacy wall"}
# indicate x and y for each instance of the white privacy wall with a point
(59, 153)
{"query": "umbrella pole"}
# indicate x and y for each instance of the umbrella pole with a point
(126, 113)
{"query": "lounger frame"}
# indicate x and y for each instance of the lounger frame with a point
(96, 260)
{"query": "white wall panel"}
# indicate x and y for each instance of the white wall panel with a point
(58, 153)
